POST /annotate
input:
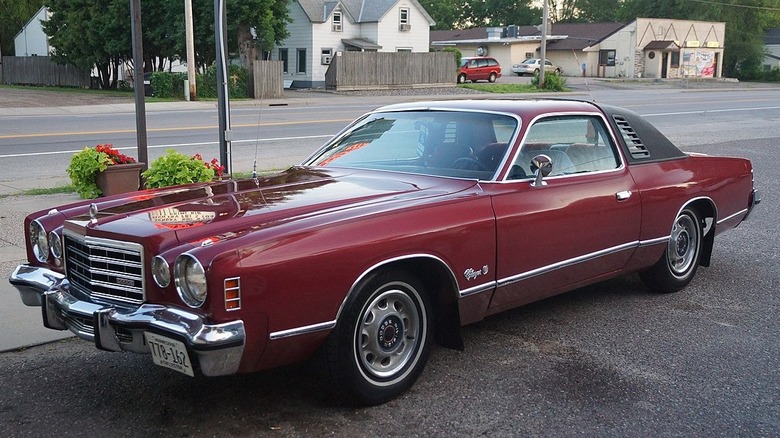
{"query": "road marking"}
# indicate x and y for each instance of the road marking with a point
(725, 110)
(182, 128)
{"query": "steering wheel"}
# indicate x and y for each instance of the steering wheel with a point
(468, 163)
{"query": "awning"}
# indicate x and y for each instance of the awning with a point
(361, 44)
(662, 45)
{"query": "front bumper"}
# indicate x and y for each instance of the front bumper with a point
(218, 348)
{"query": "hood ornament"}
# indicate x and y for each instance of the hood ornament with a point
(93, 212)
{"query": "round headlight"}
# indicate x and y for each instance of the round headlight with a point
(190, 280)
(56, 245)
(161, 272)
(39, 241)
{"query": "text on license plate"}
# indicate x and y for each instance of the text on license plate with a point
(169, 353)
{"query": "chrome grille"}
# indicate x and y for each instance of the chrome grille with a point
(103, 268)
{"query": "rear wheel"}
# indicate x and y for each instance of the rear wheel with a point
(492, 77)
(680, 261)
(382, 340)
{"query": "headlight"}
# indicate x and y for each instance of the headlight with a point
(56, 245)
(39, 241)
(161, 272)
(190, 280)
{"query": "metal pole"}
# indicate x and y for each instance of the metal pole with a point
(545, 17)
(223, 104)
(138, 81)
(190, 49)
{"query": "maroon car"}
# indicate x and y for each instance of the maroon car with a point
(413, 221)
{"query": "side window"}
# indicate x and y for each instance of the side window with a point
(575, 144)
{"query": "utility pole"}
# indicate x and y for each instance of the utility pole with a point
(190, 50)
(223, 107)
(545, 18)
(138, 81)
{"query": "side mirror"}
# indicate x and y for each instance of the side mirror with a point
(542, 166)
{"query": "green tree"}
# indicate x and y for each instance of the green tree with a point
(14, 14)
(502, 13)
(448, 14)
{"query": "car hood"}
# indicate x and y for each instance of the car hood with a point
(193, 212)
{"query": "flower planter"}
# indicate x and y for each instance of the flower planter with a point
(119, 178)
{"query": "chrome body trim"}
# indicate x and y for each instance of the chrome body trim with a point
(328, 325)
(565, 263)
(478, 289)
(113, 327)
(743, 211)
(656, 241)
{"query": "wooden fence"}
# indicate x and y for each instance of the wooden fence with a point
(268, 79)
(377, 70)
(41, 70)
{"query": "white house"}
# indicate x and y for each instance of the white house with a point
(772, 49)
(31, 40)
(320, 29)
(642, 48)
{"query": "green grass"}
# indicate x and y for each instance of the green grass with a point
(44, 191)
(504, 88)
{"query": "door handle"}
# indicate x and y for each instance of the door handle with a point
(622, 196)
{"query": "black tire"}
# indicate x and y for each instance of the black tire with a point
(557, 71)
(492, 77)
(382, 340)
(676, 268)
(461, 78)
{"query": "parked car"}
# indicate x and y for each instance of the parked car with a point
(478, 69)
(415, 220)
(531, 66)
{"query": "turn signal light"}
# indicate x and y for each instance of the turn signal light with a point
(233, 293)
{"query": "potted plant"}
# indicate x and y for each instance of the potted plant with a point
(103, 171)
(175, 168)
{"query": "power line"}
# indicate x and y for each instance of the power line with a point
(763, 8)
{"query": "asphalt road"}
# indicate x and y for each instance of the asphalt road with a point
(607, 360)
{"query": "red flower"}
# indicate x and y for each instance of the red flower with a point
(114, 155)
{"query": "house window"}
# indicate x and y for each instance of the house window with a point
(301, 61)
(404, 16)
(284, 57)
(337, 23)
(403, 49)
(675, 60)
(607, 57)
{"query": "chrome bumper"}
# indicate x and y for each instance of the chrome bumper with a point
(755, 199)
(218, 347)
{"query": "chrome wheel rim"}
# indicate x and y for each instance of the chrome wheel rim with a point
(389, 334)
(683, 245)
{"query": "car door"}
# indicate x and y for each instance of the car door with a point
(581, 224)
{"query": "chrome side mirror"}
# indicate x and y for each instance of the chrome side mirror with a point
(542, 166)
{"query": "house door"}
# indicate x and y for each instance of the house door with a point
(664, 64)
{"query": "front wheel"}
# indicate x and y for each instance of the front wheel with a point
(461, 79)
(382, 340)
(680, 261)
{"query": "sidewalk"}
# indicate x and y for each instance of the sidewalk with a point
(20, 325)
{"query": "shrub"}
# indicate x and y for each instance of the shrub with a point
(207, 82)
(85, 165)
(167, 84)
(552, 82)
(175, 168)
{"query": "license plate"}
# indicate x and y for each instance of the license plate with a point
(169, 353)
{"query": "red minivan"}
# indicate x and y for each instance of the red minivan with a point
(475, 69)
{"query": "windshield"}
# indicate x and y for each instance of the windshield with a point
(448, 143)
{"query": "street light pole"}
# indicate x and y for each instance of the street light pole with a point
(138, 81)
(545, 18)
(223, 107)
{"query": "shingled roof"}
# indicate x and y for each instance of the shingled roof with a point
(360, 11)
(579, 35)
